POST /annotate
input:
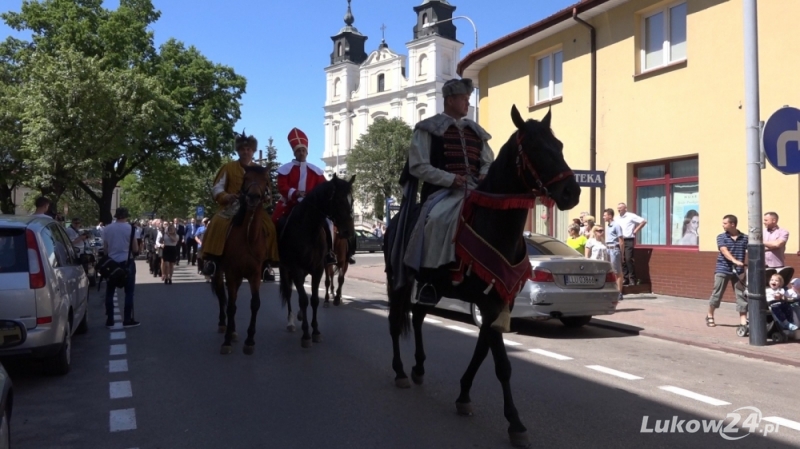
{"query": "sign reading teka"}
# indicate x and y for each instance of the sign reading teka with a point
(589, 178)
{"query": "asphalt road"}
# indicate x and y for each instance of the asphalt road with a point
(587, 387)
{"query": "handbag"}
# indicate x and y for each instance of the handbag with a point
(115, 272)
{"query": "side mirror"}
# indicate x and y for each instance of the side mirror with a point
(12, 333)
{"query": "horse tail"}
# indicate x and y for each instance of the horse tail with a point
(400, 308)
(285, 285)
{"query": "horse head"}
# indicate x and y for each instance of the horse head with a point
(339, 201)
(255, 186)
(540, 161)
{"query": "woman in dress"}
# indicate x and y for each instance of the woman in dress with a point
(170, 253)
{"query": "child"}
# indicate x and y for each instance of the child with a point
(780, 308)
(793, 296)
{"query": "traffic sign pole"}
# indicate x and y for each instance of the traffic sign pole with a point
(756, 282)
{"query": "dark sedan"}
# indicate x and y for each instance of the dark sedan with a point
(366, 241)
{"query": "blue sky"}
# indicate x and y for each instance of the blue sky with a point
(283, 47)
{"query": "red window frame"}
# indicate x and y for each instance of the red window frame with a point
(667, 181)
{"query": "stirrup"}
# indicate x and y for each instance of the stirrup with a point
(330, 259)
(209, 268)
(427, 294)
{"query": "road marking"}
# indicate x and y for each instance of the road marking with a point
(511, 343)
(550, 354)
(431, 320)
(117, 326)
(117, 318)
(613, 372)
(783, 422)
(118, 366)
(119, 349)
(117, 335)
(116, 309)
(119, 420)
(121, 389)
(461, 329)
(693, 395)
(348, 297)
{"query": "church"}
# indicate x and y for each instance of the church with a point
(362, 87)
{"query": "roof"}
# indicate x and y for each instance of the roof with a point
(470, 66)
(20, 220)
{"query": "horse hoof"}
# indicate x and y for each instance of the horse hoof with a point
(234, 337)
(519, 439)
(305, 343)
(337, 303)
(464, 408)
(402, 383)
(221, 329)
(326, 304)
(226, 350)
(418, 379)
(291, 328)
(249, 350)
(316, 338)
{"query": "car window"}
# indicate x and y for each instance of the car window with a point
(50, 248)
(548, 247)
(13, 251)
(63, 241)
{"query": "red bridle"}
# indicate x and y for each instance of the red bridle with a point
(524, 164)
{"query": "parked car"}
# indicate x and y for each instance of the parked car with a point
(366, 241)
(12, 333)
(563, 284)
(44, 286)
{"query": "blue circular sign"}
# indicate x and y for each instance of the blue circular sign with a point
(781, 140)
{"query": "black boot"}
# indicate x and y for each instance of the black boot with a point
(209, 265)
(330, 259)
(351, 260)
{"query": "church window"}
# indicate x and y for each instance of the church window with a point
(421, 116)
(339, 49)
(336, 135)
(425, 18)
(423, 66)
(381, 83)
(337, 87)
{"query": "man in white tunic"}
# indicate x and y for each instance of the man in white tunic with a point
(449, 153)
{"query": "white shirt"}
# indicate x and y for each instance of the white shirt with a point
(599, 249)
(628, 223)
(770, 294)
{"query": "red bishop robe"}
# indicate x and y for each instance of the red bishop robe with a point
(295, 177)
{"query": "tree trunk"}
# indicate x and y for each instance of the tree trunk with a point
(109, 184)
(6, 199)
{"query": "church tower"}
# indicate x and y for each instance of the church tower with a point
(348, 45)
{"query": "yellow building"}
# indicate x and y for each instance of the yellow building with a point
(670, 122)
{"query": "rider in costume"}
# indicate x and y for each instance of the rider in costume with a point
(448, 153)
(295, 180)
(226, 190)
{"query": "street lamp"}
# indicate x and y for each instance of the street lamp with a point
(474, 28)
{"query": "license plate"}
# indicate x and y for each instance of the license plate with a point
(580, 280)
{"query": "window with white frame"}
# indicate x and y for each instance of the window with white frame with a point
(381, 85)
(664, 37)
(337, 87)
(336, 134)
(548, 76)
(423, 66)
(421, 115)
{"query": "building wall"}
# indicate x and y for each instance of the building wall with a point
(691, 108)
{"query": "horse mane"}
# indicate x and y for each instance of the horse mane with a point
(255, 168)
(238, 219)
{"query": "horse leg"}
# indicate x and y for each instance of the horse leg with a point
(502, 368)
(305, 340)
(328, 285)
(482, 346)
(316, 337)
(219, 290)
(233, 286)
(418, 316)
(337, 300)
(398, 321)
(255, 304)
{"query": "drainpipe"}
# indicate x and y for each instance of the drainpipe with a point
(593, 118)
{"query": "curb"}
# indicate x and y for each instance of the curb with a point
(633, 330)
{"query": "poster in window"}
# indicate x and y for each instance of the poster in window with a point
(685, 214)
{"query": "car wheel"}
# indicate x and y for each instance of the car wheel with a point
(59, 364)
(5, 430)
(476, 315)
(575, 321)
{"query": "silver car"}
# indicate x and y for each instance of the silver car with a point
(44, 286)
(563, 284)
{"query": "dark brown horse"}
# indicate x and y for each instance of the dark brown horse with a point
(245, 251)
(303, 243)
(340, 269)
(530, 161)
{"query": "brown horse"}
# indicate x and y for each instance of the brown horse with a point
(340, 249)
(245, 251)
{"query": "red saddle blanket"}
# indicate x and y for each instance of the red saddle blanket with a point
(475, 256)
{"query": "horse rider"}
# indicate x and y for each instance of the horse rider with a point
(295, 180)
(449, 153)
(226, 190)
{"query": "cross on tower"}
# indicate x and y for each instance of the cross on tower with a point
(383, 32)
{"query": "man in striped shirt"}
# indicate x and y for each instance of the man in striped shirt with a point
(732, 246)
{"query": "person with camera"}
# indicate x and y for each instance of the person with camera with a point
(78, 239)
(121, 247)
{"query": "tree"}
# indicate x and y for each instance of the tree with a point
(273, 165)
(378, 159)
(12, 170)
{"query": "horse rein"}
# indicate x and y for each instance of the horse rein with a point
(524, 164)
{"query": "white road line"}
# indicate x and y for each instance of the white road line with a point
(117, 326)
(118, 366)
(117, 335)
(613, 372)
(783, 422)
(119, 349)
(693, 395)
(461, 329)
(116, 309)
(119, 420)
(511, 343)
(121, 389)
(348, 297)
(550, 354)
(431, 320)
(117, 318)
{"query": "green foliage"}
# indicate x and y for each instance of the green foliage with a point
(377, 160)
(273, 165)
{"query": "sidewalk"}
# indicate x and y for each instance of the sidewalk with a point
(680, 320)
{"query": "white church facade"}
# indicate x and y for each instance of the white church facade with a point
(362, 87)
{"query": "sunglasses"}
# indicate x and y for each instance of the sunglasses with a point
(600, 231)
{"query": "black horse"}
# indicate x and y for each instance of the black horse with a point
(303, 244)
(531, 161)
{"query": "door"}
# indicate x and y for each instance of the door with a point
(56, 257)
(75, 277)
